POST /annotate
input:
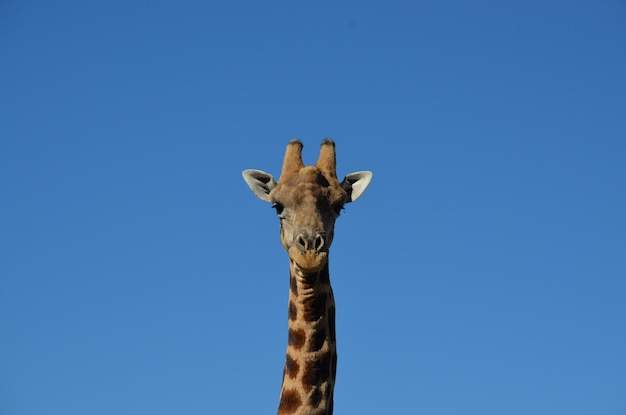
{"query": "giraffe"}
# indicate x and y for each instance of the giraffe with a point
(308, 200)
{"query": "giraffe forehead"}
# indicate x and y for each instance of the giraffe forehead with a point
(309, 185)
(310, 174)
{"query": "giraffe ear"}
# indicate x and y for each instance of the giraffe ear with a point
(356, 183)
(260, 183)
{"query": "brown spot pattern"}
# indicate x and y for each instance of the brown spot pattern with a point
(316, 371)
(316, 397)
(314, 307)
(293, 311)
(291, 367)
(317, 340)
(297, 338)
(293, 284)
(289, 402)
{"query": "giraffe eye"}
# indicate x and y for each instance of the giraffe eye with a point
(279, 208)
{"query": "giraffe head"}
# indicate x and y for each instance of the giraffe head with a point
(308, 200)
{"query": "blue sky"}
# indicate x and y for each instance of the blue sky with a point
(483, 271)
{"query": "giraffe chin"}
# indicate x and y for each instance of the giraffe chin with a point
(308, 261)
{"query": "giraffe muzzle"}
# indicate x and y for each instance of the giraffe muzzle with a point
(309, 251)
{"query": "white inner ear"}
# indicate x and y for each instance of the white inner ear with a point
(260, 183)
(356, 183)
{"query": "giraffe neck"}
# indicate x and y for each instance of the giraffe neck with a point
(310, 367)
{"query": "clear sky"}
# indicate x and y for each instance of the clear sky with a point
(482, 273)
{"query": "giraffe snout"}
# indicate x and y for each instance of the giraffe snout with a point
(307, 241)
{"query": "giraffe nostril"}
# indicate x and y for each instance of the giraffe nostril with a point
(307, 242)
(319, 242)
(301, 242)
